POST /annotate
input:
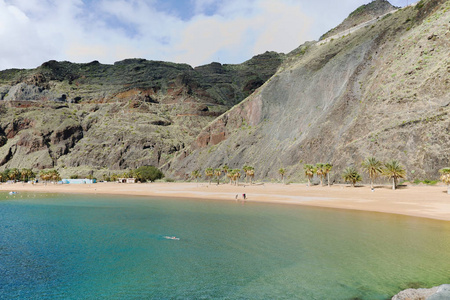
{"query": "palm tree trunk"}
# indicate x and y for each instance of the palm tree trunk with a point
(394, 185)
(328, 179)
(371, 184)
(309, 182)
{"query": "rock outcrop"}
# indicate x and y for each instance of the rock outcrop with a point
(436, 293)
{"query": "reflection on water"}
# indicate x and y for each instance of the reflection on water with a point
(91, 247)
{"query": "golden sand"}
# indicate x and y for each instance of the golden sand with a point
(419, 201)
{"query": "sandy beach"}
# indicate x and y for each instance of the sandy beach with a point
(419, 201)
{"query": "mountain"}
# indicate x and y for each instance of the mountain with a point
(364, 13)
(383, 90)
(89, 117)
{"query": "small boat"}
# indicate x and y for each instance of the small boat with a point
(12, 193)
(171, 238)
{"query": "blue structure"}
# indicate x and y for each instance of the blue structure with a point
(79, 181)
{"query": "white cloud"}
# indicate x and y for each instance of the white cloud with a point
(201, 5)
(19, 38)
(285, 27)
(35, 31)
(243, 29)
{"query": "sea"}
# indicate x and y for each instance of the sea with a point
(64, 246)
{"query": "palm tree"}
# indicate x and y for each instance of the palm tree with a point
(327, 169)
(27, 174)
(114, 177)
(45, 175)
(445, 177)
(24, 173)
(14, 174)
(217, 173)
(309, 172)
(230, 177)
(250, 173)
(236, 174)
(320, 171)
(394, 170)
(282, 172)
(195, 174)
(245, 168)
(351, 175)
(6, 174)
(138, 175)
(373, 167)
(226, 170)
(54, 175)
(209, 172)
(30, 174)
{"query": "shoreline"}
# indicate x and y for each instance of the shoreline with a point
(431, 202)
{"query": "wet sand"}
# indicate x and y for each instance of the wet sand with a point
(419, 201)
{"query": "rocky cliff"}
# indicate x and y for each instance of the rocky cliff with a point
(381, 91)
(82, 117)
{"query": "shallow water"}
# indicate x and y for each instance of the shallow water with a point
(103, 247)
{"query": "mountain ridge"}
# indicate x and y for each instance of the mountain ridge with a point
(84, 117)
(381, 90)
(325, 105)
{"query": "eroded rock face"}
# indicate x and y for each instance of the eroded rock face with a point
(114, 117)
(367, 94)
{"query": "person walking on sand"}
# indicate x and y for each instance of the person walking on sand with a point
(244, 196)
(236, 197)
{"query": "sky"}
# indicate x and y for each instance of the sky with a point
(195, 32)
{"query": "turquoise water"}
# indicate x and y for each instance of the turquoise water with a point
(97, 247)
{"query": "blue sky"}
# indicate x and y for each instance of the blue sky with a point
(185, 31)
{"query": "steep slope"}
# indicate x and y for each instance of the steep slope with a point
(362, 14)
(382, 91)
(83, 117)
